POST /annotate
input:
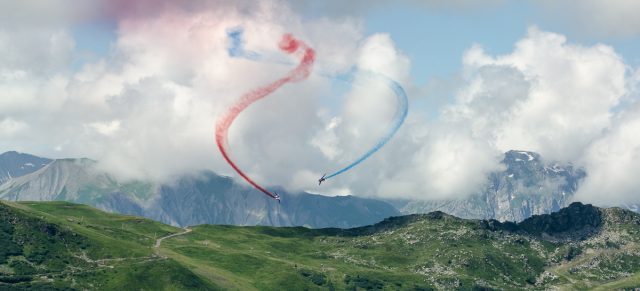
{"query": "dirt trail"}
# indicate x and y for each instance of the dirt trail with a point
(159, 241)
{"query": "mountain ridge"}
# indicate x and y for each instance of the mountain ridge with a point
(434, 251)
(527, 186)
(202, 198)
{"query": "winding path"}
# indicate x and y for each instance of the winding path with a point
(159, 241)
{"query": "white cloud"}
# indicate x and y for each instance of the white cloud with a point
(612, 163)
(9, 127)
(566, 94)
(106, 128)
(327, 140)
(547, 96)
(31, 66)
(148, 109)
(450, 164)
(617, 18)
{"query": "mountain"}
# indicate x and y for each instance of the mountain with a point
(527, 186)
(14, 164)
(59, 245)
(210, 198)
(198, 199)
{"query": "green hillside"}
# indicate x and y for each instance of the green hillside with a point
(69, 246)
(64, 246)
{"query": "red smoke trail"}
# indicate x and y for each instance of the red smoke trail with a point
(289, 45)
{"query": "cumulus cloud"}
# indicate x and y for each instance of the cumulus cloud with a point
(147, 109)
(571, 91)
(612, 163)
(181, 87)
(9, 127)
(548, 95)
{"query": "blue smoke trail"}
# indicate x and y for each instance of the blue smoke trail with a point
(398, 119)
(236, 49)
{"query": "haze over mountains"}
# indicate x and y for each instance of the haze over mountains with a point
(527, 186)
(191, 200)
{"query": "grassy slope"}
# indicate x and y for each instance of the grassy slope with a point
(408, 253)
(85, 248)
(424, 254)
(440, 252)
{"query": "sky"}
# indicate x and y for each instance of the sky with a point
(139, 85)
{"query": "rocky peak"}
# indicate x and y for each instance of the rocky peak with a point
(527, 185)
(514, 156)
(577, 221)
(577, 217)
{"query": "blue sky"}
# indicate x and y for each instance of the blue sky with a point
(434, 39)
(93, 40)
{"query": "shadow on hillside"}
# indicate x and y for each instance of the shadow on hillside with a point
(577, 221)
(389, 223)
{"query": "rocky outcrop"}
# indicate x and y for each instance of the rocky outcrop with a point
(576, 222)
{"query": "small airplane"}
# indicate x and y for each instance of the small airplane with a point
(321, 179)
(276, 196)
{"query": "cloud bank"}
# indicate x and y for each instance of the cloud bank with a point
(147, 109)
